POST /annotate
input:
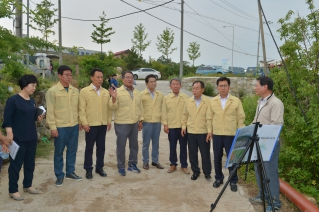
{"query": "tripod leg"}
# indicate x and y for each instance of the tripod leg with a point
(264, 180)
(248, 158)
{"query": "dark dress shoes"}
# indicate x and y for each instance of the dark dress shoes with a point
(146, 166)
(158, 165)
(195, 176)
(101, 172)
(217, 183)
(233, 187)
(207, 176)
(89, 175)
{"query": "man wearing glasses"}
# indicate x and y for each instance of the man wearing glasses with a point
(126, 102)
(227, 115)
(62, 118)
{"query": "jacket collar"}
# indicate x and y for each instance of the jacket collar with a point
(60, 86)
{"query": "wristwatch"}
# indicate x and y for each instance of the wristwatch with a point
(141, 121)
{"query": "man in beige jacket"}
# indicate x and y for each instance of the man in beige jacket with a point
(227, 115)
(95, 116)
(197, 119)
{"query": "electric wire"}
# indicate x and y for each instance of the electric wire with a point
(233, 12)
(211, 18)
(239, 10)
(285, 67)
(216, 29)
(78, 19)
(187, 31)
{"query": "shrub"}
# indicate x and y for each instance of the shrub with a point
(209, 90)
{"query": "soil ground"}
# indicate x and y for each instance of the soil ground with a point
(151, 190)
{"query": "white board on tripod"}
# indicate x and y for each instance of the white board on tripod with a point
(268, 137)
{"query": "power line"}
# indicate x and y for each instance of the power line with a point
(187, 31)
(239, 10)
(78, 19)
(233, 12)
(214, 27)
(211, 18)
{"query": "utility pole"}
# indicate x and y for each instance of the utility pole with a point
(232, 51)
(181, 63)
(60, 35)
(262, 37)
(28, 14)
(258, 48)
(18, 19)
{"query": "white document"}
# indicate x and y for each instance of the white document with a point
(42, 108)
(14, 147)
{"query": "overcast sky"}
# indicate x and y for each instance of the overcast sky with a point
(203, 18)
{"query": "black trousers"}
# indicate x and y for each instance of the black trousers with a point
(96, 134)
(195, 142)
(26, 157)
(220, 142)
(174, 136)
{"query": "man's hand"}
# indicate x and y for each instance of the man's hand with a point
(86, 128)
(140, 126)
(80, 127)
(209, 137)
(40, 117)
(113, 93)
(183, 132)
(166, 129)
(54, 133)
(109, 126)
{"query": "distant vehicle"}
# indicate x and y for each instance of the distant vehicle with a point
(141, 73)
(255, 71)
(237, 71)
(208, 69)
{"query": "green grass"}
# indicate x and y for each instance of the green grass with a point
(251, 178)
(44, 148)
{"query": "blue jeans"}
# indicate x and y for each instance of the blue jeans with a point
(271, 168)
(68, 137)
(151, 131)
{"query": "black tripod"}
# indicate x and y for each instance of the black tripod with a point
(264, 180)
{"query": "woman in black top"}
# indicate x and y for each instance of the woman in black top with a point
(19, 122)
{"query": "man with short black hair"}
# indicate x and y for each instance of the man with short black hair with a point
(62, 117)
(270, 110)
(172, 109)
(152, 100)
(197, 118)
(95, 116)
(126, 101)
(227, 115)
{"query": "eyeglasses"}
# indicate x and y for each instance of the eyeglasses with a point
(223, 86)
(128, 78)
(68, 75)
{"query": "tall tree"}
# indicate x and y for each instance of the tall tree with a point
(101, 34)
(11, 47)
(139, 40)
(193, 51)
(43, 20)
(165, 41)
(133, 60)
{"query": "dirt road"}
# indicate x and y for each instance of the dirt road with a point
(151, 190)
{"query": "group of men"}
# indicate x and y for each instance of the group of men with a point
(191, 121)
